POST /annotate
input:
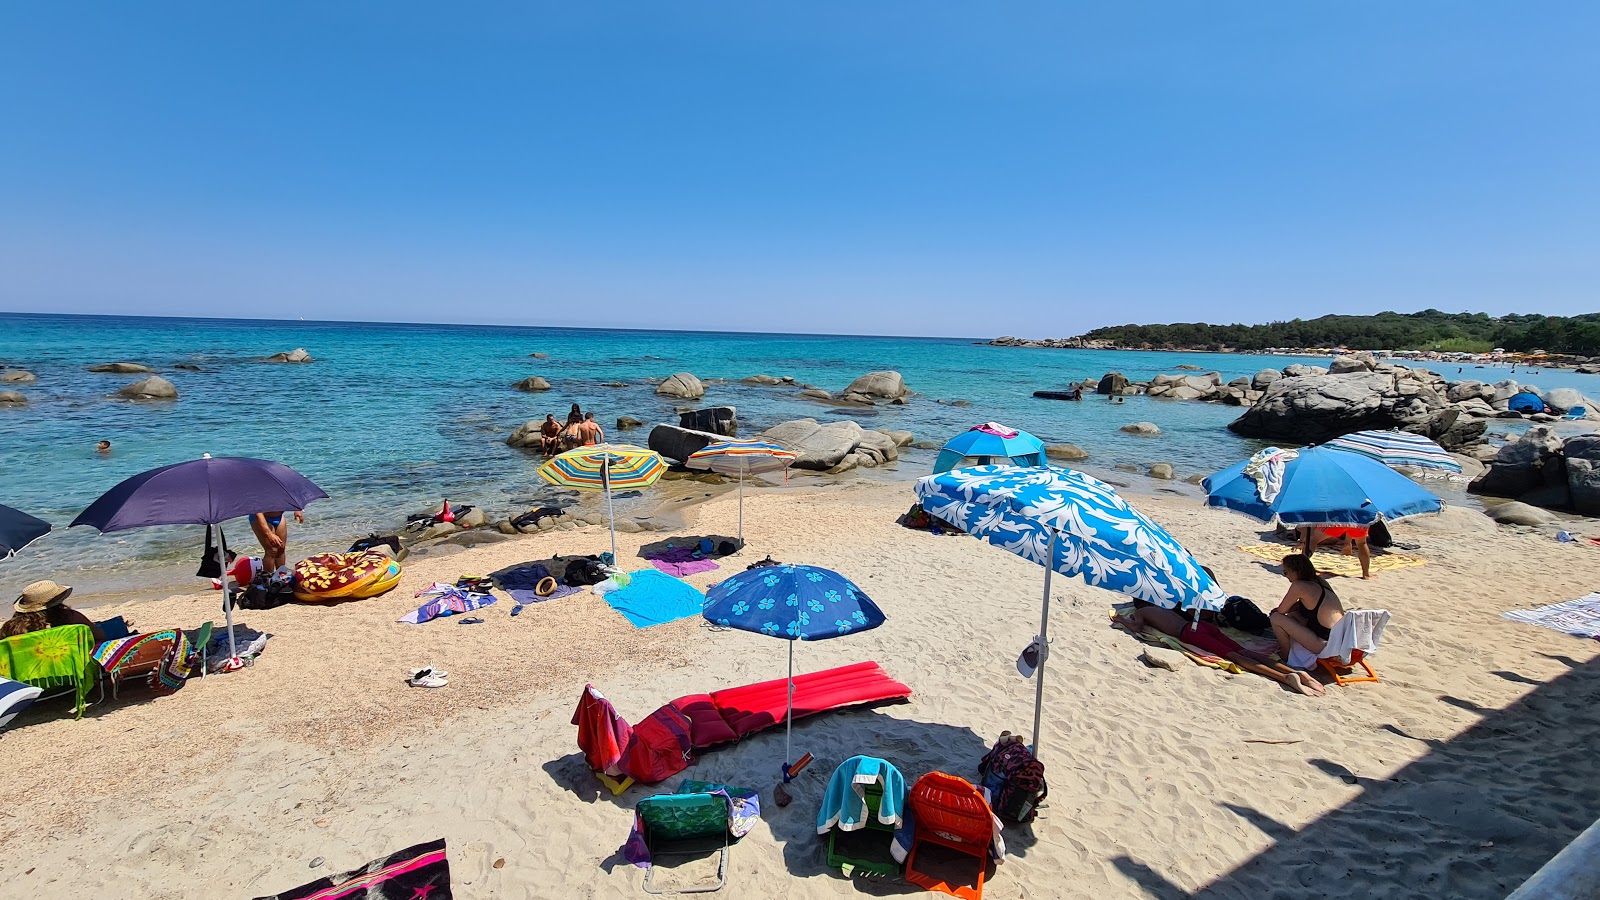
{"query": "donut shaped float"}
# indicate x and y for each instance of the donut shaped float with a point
(344, 576)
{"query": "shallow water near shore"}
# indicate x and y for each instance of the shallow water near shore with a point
(391, 418)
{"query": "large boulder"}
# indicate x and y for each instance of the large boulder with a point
(1562, 399)
(1310, 409)
(1263, 378)
(527, 435)
(1583, 473)
(1069, 452)
(17, 376)
(1515, 513)
(1112, 383)
(1298, 370)
(900, 438)
(120, 368)
(1148, 429)
(534, 383)
(819, 447)
(683, 385)
(876, 448)
(815, 394)
(1162, 471)
(723, 420)
(297, 355)
(678, 443)
(12, 398)
(1453, 429)
(627, 423)
(1518, 467)
(761, 379)
(879, 386)
(153, 388)
(1352, 362)
(1469, 390)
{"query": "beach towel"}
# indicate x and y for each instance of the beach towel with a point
(52, 658)
(445, 600)
(1580, 617)
(682, 561)
(1335, 563)
(522, 583)
(603, 735)
(844, 803)
(996, 429)
(653, 597)
(1196, 655)
(176, 661)
(415, 873)
(1266, 469)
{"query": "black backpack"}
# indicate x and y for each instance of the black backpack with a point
(1244, 615)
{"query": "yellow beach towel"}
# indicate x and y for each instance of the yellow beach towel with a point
(1335, 563)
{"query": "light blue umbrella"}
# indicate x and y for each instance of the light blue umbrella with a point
(990, 443)
(1323, 486)
(795, 603)
(1074, 524)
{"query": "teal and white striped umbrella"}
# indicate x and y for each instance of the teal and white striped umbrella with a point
(1397, 449)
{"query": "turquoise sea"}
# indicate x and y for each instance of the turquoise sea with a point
(392, 417)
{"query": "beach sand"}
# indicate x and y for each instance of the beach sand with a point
(1458, 775)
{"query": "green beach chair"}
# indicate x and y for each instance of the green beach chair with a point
(685, 826)
(865, 851)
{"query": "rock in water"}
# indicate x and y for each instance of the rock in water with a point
(1162, 471)
(761, 379)
(539, 355)
(1112, 383)
(815, 394)
(723, 420)
(297, 355)
(900, 438)
(678, 443)
(819, 447)
(120, 368)
(1583, 472)
(12, 398)
(534, 383)
(879, 386)
(1066, 451)
(17, 376)
(153, 388)
(627, 423)
(683, 385)
(1144, 428)
(526, 435)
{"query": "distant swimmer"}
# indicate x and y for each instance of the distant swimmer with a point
(103, 448)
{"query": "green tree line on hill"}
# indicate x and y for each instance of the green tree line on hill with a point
(1427, 330)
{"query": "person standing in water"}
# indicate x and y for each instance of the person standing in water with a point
(273, 533)
(592, 432)
(572, 435)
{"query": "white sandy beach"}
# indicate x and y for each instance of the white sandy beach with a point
(1458, 775)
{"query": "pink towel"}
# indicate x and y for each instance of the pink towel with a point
(996, 428)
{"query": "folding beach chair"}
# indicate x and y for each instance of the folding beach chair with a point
(1352, 639)
(865, 851)
(1577, 412)
(950, 814)
(685, 826)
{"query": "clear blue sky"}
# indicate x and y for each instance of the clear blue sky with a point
(907, 168)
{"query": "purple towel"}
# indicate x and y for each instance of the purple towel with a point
(681, 561)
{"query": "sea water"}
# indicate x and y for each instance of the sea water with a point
(392, 418)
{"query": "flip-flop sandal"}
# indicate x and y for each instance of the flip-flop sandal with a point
(517, 610)
(470, 620)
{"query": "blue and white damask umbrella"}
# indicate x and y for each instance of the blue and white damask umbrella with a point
(795, 603)
(1074, 524)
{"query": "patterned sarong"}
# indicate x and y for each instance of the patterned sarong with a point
(422, 871)
(115, 656)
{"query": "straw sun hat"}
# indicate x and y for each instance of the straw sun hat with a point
(41, 595)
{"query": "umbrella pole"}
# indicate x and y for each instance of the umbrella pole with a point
(611, 512)
(1044, 639)
(227, 598)
(788, 717)
(741, 510)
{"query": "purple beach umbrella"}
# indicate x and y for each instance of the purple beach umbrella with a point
(205, 491)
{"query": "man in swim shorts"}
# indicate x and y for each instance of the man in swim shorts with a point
(550, 435)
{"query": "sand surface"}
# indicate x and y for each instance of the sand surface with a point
(1470, 765)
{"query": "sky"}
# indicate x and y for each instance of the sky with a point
(857, 167)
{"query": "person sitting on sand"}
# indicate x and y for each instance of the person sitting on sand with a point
(550, 435)
(592, 432)
(43, 605)
(1308, 612)
(1210, 639)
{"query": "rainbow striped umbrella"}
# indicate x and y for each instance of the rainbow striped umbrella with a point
(605, 467)
(742, 458)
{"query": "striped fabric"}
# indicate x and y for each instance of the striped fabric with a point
(137, 651)
(742, 457)
(1397, 449)
(588, 468)
(416, 872)
(14, 698)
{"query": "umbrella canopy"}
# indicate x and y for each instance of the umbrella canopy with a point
(18, 530)
(605, 467)
(1074, 524)
(1397, 449)
(205, 491)
(795, 603)
(1324, 486)
(991, 442)
(742, 458)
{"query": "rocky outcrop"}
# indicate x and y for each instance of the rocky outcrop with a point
(818, 446)
(1541, 469)
(1582, 454)
(1068, 452)
(17, 376)
(297, 355)
(153, 388)
(875, 386)
(683, 386)
(531, 384)
(1352, 362)
(723, 420)
(627, 423)
(1514, 513)
(120, 368)
(1310, 409)
(1562, 399)
(1264, 378)
(900, 438)
(526, 436)
(1297, 370)
(12, 398)
(815, 394)
(1148, 429)
(1185, 387)
(678, 443)
(1112, 383)
(761, 379)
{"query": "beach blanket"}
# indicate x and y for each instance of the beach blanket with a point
(682, 561)
(445, 600)
(1334, 563)
(522, 583)
(1266, 469)
(416, 872)
(1580, 617)
(52, 658)
(653, 597)
(114, 657)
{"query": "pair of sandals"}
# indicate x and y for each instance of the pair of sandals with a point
(428, 677)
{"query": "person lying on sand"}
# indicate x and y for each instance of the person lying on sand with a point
(1309, 609)
(1210, 639)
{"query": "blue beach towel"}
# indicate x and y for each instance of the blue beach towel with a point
(654, 597)
(845, 803)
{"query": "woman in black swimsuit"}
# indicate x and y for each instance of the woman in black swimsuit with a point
(1309, 610)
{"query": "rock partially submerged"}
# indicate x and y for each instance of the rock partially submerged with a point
(723, 420)
(531, 384)
(17, 376)
(297, 355)
(683, 386)
(627, 423)
(153, 388)
(13, 398)
(1541, 469)
(527, 435)
(678, 443)
(1069, 452)
(120, 368)
(1147, 429)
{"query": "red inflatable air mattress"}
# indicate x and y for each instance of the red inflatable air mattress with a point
(753, 707)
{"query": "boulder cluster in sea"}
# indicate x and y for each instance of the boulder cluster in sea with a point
(831, 447)
(1541, 468)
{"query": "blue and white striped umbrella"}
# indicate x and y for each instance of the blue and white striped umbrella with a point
(1074, 524)
(1397, 449)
